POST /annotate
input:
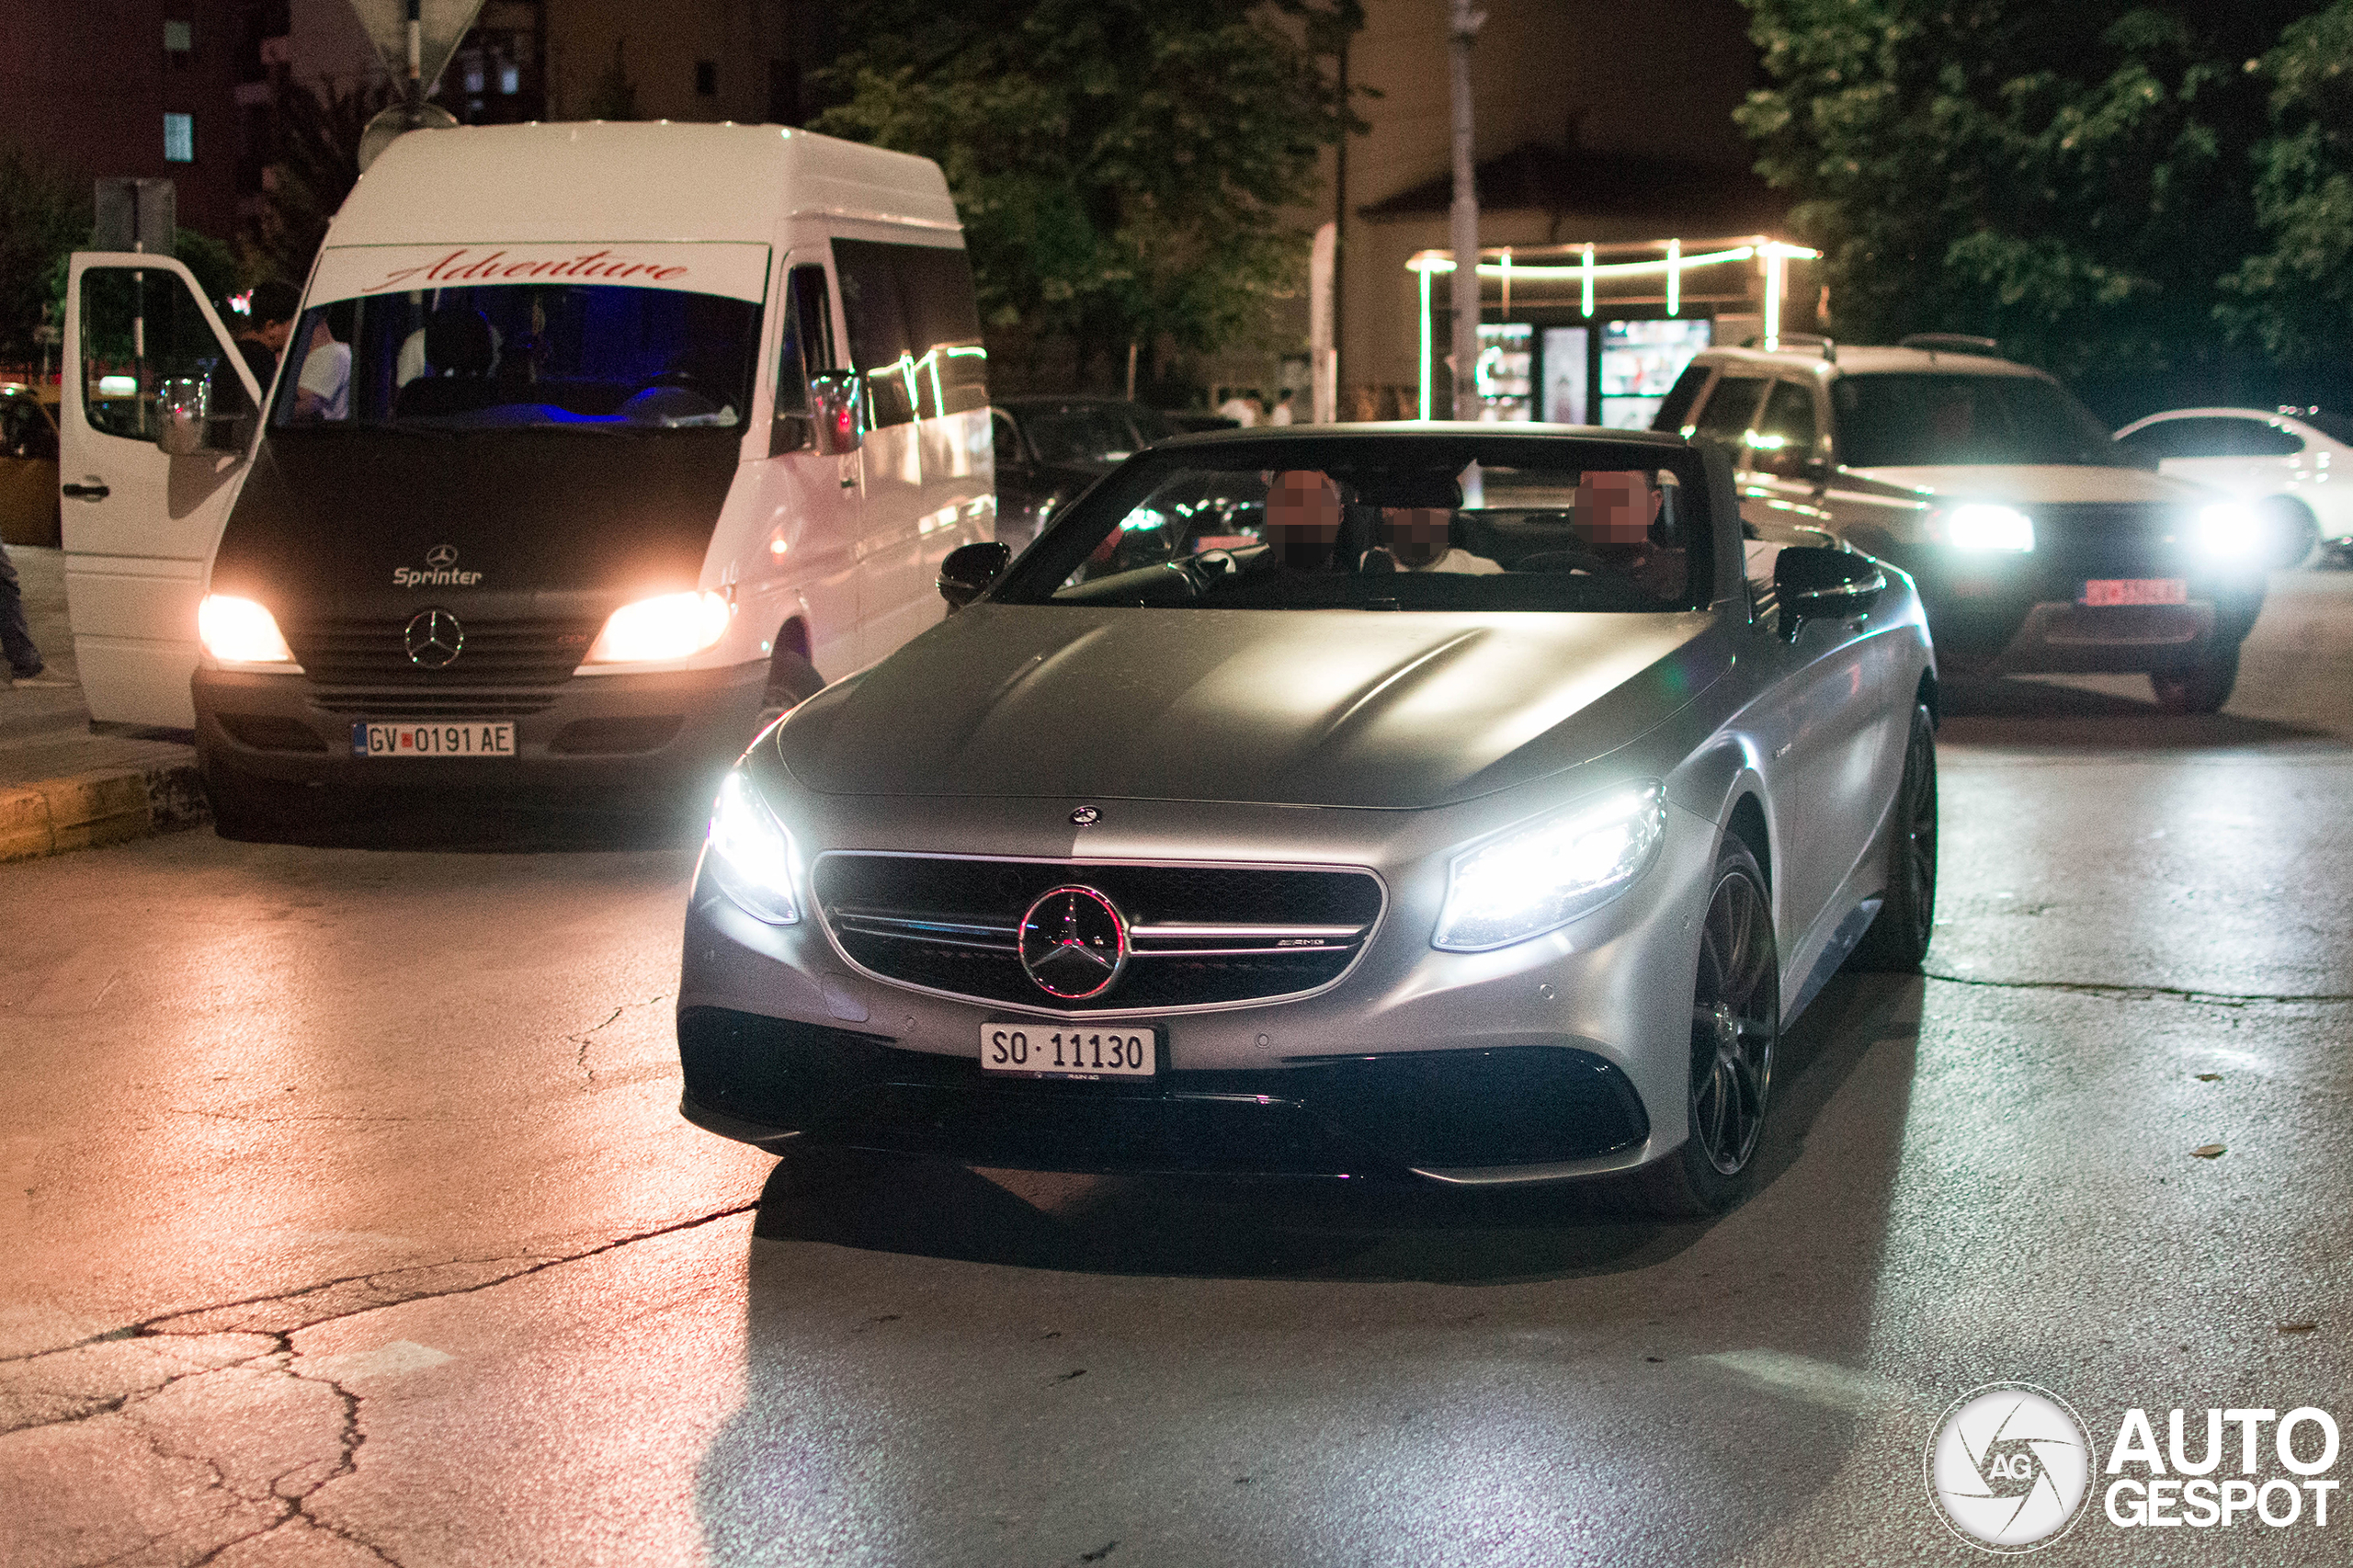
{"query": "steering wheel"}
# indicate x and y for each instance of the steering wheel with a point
(1563, 561)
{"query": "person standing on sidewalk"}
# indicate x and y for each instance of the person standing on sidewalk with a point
(16, 636)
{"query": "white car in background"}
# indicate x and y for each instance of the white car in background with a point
(2298, 461)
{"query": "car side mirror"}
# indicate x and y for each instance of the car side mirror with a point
(1811, 583)
(971, 568)
(183, 405)
(838, 411)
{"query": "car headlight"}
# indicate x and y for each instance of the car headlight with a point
(668, 626)
(239, 631)
(1980, 525)
(1539, 877)
(751, 856)
(2231, 530)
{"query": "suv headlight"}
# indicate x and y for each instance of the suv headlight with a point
(751, 856)
(1980, 525)
(240, 632)
(2230, 529)
(668, 626)
(1539, 877)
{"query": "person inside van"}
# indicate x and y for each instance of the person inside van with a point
(271, 311)
(459, 355)
(325, 390)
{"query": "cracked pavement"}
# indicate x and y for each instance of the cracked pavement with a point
(348, 1220)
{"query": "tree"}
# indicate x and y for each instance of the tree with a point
(317, 164)
(2070, 179)
(1123, 167)
(2296, 298)
(43, 215)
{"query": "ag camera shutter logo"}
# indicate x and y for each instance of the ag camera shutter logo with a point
(2009, 1467)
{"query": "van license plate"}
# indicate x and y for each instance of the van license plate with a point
(2136, 591)
(1051, 1050)
(404, 739)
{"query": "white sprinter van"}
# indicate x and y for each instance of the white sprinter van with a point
(593, 444)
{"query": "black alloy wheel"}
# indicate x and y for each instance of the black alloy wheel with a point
(1897, 942)
(1735, 1029)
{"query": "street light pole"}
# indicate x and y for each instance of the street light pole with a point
(1463, 26)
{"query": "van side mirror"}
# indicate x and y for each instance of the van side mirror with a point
(183, 407)
(1811, 583)
(838, 412)
(969, 569)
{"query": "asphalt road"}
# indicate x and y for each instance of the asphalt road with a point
(347, 1218)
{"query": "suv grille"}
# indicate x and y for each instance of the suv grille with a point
(1199, 936)
(369, 652)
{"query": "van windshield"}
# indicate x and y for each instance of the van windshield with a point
(1902, 420)
(591, 357)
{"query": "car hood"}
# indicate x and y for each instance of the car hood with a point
(1311, 708)
(2049, 483)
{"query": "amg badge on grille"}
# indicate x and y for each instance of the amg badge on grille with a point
(1074, 943)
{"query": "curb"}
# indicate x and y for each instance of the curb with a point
(58, 814)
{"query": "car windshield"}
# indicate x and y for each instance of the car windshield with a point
(1905, 421)
(1080, 436)
(590, 358)
(1385, 523)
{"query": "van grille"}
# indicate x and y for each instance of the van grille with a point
(1200, 936)
(355, 651)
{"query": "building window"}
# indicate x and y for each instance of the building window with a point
(510, 79)
(179, 41)
(180, 138)
(706, 78)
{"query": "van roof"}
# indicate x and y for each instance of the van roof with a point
(629, 180)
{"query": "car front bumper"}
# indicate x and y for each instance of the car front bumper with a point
(1566, 1055)
(1998, 615)
(590, 735)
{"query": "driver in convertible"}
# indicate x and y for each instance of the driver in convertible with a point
(1615, 521)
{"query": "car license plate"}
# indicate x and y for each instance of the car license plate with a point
(1054, 1051)
(2136, 591)
(404, 739)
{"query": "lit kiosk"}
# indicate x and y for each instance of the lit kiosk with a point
(1596, 333)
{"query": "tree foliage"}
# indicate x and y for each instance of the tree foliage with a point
(2072, 179)
(2296, 297)
(317, 164)
(43, 215)
(1123, 167)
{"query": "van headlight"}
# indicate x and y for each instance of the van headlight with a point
(751, 856)
(668, 626)
(1980, 525)
(1539, 877)
(240, 632)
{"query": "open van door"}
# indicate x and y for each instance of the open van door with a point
(148, 365)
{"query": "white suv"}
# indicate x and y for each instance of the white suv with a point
(2036, 541)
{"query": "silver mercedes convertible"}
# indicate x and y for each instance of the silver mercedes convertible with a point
(1445, 801)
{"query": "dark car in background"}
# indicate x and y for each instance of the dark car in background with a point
(28, 501)
(2037, 542)
(1049, 448)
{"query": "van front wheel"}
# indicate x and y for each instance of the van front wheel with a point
(792, 680)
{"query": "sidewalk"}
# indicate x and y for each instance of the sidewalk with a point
(61, 787)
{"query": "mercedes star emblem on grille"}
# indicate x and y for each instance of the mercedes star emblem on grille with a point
(1074, 943)
(1085, 816)
(433, 638)
(441, 555)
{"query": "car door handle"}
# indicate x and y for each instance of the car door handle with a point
(85, 491)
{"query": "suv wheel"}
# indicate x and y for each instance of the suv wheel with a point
(2200, 687)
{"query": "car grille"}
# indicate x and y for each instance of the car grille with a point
(358, 652)
(423, 702)
(1199, 936)
(2110, 539)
